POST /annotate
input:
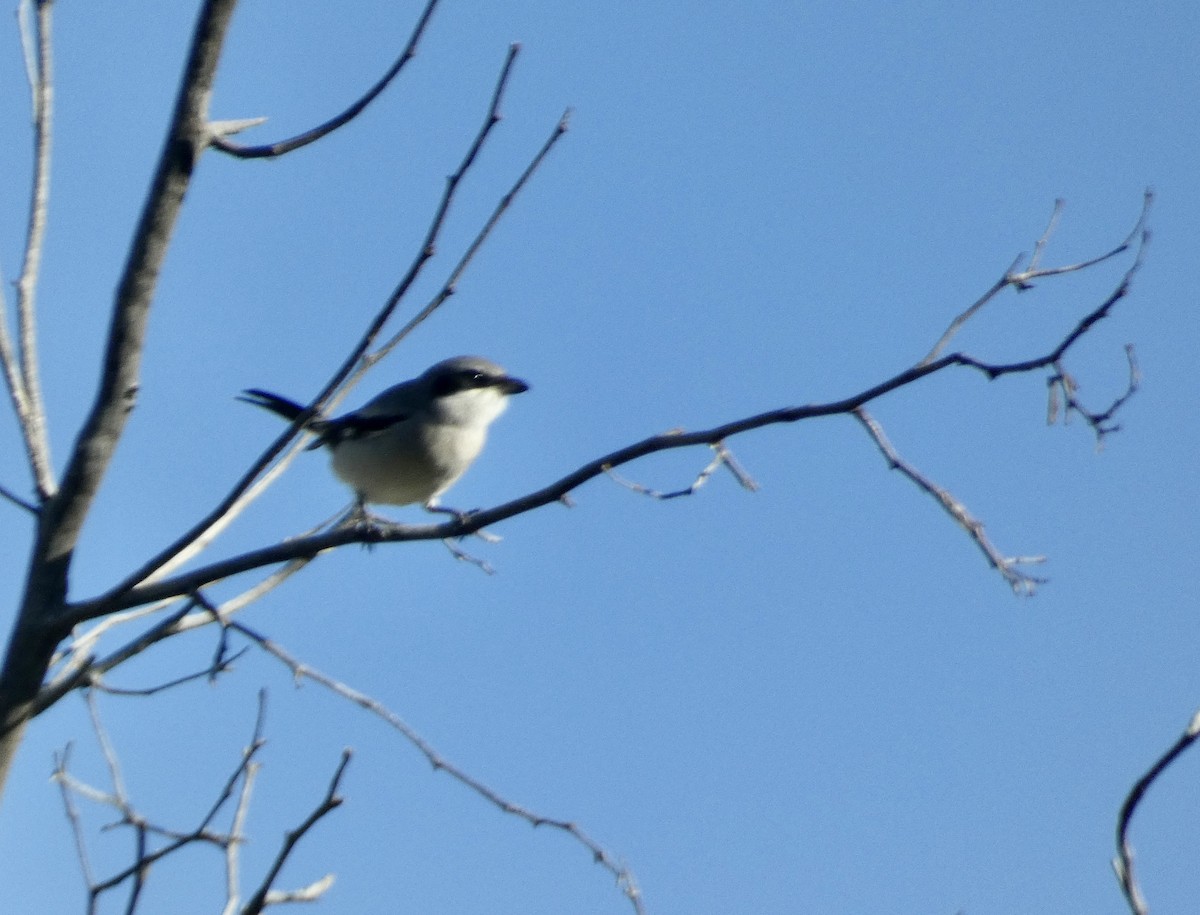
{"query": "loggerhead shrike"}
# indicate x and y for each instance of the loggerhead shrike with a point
(413, 441)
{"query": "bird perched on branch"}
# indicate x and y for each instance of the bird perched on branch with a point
(413, 441)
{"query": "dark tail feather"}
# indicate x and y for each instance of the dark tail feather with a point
(280, 406)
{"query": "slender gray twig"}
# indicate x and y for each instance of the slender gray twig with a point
(1040, 247)
(301, 671)
(1023, 280)
(723, 457)
(237, 836)
(144, 856)
(1022, 583)
(31, 411)
(448, 288)
(84, 669)
(61, 761)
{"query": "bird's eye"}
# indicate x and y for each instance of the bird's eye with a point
(449, 384)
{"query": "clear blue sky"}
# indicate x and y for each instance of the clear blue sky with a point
(812, 698)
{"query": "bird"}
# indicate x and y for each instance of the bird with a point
(413, 441)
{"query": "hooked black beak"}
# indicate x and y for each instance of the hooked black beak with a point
(510, 385)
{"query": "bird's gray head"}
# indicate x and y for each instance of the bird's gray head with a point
(469, 390)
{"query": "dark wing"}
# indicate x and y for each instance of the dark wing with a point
(329, 431)
(352, 426)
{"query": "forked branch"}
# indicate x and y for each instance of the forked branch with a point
(155, 843)
(1022, 280)
(301, 671)
(125, 596)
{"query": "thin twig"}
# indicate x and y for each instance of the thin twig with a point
(965, 316)
(146, 857)
(84, 669)
(1022, 280)
(61, 761)
(730, 463)
(1040, 246)
(237, 833)
(1022, 583)
(301, 671)
(1123, 863)
(33, 416)
(16, 500)
(222, 665)
(329, 803)
(448, 288)
(106, 750)
(463, 556)
(723, 457)
(1100, 422)
(281, 147)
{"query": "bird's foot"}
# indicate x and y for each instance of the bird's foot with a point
(361, 519)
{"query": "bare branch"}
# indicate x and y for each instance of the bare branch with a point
(724, 457)
(1022, 280)
(1040, 247)
(83, 669)
(184, 143)
(451, 284)
(1022, 583)
(1123, 863)
(236, 838)
(310, 547)
(330, 802)
(310, 893)
(961, 319)
(1135, 236)
(61, 761)
(118, 799)
(13, 382)
(27, 398)
(106, 748)
(301, 671)
(463, 556)
(234, 125)
(223, 665)
(16, 500)
(28, 49)
(279, 148)
(1100, 423)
